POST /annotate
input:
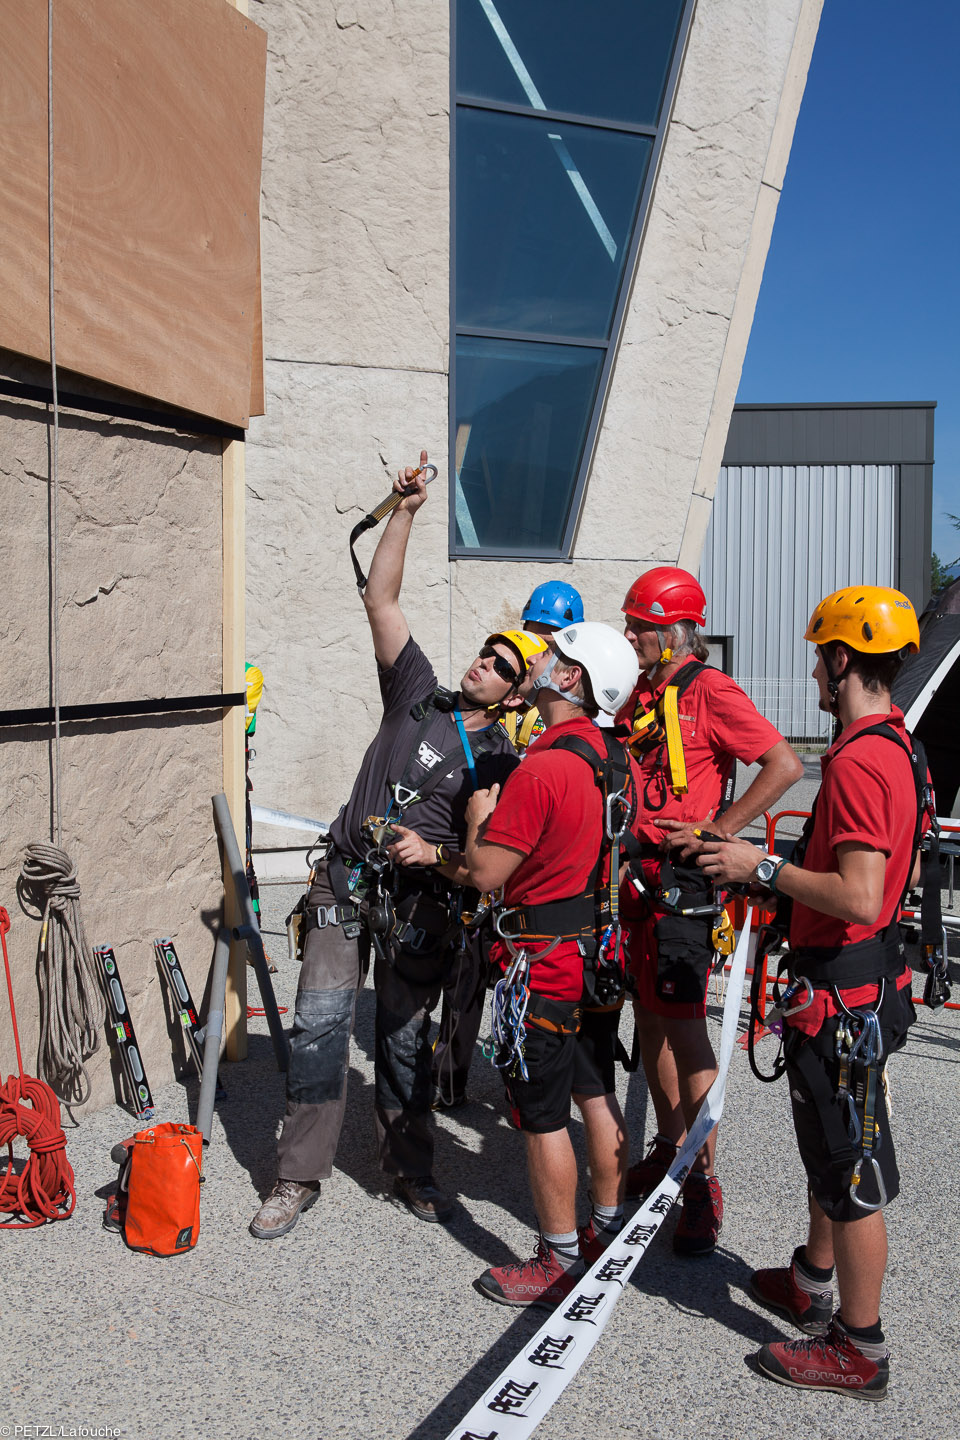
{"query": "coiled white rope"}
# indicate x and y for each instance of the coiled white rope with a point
(72, 1007)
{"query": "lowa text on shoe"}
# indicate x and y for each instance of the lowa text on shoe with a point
(541, 1280)
(827, 1362)
(282, 1208)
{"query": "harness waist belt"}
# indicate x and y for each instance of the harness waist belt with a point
(325, 915)
(570, 919)
(879, 957)
(562, 1017)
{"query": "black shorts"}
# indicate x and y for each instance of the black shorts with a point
(542, 1101)
(820, 1118)
(595, 1061)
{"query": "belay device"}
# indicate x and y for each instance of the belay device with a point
(380, 513)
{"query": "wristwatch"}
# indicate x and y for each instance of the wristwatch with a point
(767, 869)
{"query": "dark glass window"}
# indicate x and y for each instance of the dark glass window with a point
(544, 217)
(521, 419)
(559, 114)
(607, 59)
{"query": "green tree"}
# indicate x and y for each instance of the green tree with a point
(941, 574)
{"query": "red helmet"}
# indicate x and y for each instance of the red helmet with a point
(665, 595)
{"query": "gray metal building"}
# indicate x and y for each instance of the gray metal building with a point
(812, 498)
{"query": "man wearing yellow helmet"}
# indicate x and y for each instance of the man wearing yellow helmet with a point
(845, 882)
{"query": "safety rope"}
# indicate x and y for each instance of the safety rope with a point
(44, 1189)
(72, 1007)
(54, 478)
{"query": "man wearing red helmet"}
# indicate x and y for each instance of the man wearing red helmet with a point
(687, 725)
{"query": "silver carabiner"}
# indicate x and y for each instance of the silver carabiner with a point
(864, 1205)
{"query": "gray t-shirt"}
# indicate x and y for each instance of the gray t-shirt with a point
(440, 817)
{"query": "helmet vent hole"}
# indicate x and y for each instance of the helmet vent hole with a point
(817, 623)
(867, 632)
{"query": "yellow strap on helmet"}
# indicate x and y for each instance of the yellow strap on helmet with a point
(671, 720)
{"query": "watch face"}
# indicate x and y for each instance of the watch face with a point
(766, 869)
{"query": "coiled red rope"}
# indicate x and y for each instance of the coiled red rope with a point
(44, 1190)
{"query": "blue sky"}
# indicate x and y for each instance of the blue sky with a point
(861, 293)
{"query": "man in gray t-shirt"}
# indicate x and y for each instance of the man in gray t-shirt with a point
(461, 741)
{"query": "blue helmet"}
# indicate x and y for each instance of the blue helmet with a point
(554, 603)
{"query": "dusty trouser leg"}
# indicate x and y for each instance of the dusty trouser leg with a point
(404, 1061)
(464, 1004)
(330, 977)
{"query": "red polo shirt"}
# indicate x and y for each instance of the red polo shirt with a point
(550, 810)
(867, 797)
(718, 723)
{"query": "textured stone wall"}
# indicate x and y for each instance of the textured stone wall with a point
(140, 617)
(356, 317)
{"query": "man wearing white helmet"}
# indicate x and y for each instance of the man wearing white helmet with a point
(541, 840)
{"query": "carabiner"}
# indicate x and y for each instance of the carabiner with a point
(864, 1205)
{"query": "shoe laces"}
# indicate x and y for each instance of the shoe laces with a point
(700, 1198)
(819, 1347)
(540, 1260)
(285, 1190)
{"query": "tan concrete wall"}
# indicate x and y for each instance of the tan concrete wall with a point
(140, 586)
(356, 292)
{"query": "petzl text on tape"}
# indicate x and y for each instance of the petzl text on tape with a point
(522, 1394)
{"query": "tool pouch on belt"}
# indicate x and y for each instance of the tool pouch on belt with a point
(685, 942)
(157, 1204)
(420, 935)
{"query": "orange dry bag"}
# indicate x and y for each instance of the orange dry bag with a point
(157, 1205)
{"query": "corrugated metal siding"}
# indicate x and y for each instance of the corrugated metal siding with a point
(780, 538)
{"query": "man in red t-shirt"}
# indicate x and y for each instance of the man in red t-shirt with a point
(846, 890)
(687, 725)
(541, 841)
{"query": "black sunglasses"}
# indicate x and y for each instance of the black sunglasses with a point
(500, 666)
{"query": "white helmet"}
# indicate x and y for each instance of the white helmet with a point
(605, 655)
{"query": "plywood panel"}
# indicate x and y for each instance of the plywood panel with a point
(158, 120)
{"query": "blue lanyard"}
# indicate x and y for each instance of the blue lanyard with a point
(471, 765)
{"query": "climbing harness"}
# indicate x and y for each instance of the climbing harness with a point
(380, 513)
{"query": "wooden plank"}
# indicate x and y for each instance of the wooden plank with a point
(158, 127)
(234, 773)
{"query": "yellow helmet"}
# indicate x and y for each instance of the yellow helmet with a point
(526, 647)
(870, 618)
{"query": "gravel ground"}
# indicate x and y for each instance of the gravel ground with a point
(363, 1321)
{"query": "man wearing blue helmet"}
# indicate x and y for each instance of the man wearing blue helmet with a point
(552, 606)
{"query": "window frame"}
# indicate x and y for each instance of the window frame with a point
(609, 346)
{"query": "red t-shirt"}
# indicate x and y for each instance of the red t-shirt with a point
(550, 810)
(718, 723)
(867, 797)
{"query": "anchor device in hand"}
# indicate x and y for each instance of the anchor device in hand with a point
(429, 472)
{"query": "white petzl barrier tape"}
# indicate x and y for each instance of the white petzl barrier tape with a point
(522, 1394)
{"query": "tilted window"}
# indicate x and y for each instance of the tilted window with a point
(559, 116)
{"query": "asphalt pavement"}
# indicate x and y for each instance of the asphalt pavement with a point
(363, 1322)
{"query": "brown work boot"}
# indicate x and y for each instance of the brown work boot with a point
(645, 1176)
(422, 1196)
(281, 1210)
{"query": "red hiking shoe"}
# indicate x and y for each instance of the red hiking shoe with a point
(702, 1217)
(828, 1362)
(593, 1245)
(541, 1280)
(778, 1290)
(645, 1176)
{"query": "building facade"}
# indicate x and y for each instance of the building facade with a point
(542, 269)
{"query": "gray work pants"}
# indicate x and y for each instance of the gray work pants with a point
(333, 972)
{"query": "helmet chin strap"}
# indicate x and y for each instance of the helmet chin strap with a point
(666, 652)
(833, 684)
(544, 682)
